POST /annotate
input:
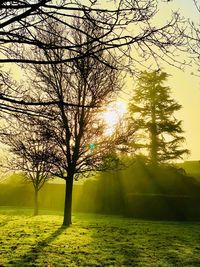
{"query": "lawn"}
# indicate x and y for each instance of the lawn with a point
(95, 240)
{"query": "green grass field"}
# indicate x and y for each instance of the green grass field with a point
(95, 240)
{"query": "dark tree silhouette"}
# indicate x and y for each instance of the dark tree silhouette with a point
(20, 20)
(76, 130)
(30, 153)
(152, 114)
(127, 28)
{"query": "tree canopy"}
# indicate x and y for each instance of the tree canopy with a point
(152, 114)
(122, 23)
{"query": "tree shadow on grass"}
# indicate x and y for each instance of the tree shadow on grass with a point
(29, 259)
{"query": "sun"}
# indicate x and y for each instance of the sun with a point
(112, 115)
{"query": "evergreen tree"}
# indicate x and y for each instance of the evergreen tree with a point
(152, 114)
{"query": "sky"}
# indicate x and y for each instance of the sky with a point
(186, 90)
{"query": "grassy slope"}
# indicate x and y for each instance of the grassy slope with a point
(96, 240)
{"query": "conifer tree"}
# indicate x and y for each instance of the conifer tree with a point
(151, 112)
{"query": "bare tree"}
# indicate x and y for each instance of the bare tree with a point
(19, 22)
(30, 153)
(127, 29)
(194, 39)
(77, 130)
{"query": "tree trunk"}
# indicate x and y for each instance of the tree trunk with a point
(36, 206)
(154, 146)
(153, 130)
(68, 201)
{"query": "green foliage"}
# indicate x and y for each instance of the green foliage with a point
(119, 192)
(164, 179)
(111, 161)
(151, 111)
(96, 240)
(22, 195)
(138, 191)
(191, 167)
(101, 195)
